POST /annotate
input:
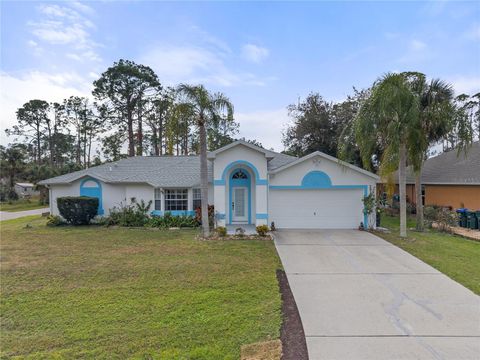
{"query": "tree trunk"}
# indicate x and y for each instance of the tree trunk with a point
(403, 190)
(131, 141)
(419, 203)
(160, 136)
(140, 131)
(39, 156)
(204, 178)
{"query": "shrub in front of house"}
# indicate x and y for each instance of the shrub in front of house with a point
(77, 210)
(54, 220)
(133, 215)
(262, 230)
(211, 215)
(443, 217)
(221, 231)
(169, 221)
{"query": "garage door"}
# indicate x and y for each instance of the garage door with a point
(316, 209)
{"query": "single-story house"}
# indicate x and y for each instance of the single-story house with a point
(247, 185)
(449, 179)
(24, 189)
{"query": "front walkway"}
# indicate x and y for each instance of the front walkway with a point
(4, 215)
(249, 229)
(360, 297)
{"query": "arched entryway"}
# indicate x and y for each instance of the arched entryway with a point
(240, 196)
(92, 188)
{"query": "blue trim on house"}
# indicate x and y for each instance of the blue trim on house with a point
(261, 216)
(220, 216)
(173, 212)
(240, 183)
(93, 192)
(236, 163)
(316, 180)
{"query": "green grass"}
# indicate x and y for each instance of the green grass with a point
(455, 256)
(93, 292)
(22, 205)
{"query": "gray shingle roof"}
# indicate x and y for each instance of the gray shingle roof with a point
(451, 168)
(158, 171)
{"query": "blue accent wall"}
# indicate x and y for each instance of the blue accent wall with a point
(316, 180)
(173, 212)
(93, 192)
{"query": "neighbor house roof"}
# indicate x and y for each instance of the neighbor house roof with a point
(450, 168)
(25, 185)
(158, 171)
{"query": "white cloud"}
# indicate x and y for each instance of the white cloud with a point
(466, 85)
(416, 51)
(254, 53)
(16, 91)
(266, 126)
(64, 26)
(196, 64)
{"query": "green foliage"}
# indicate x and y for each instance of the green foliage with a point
(54, 220)
(78, 210)
(169, 221)
(369, 203)
(130, 215)
(221, 231)
(443, 217)
(262, 230)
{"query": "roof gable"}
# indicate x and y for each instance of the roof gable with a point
(268, 154)
(328, 157)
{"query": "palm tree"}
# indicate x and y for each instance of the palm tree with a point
(436, 120)
(206, 106)
(388, 118)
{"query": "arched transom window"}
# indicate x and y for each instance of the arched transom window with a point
(239, 174)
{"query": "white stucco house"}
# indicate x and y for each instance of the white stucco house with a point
(247, 185)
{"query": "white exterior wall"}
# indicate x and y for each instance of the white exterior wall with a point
(312, 204)
(140, 192)
(258, 191)
(112, 195)
(339, 174)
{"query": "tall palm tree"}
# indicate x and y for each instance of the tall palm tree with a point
(388, 118)
(436, 120)
(206, 106)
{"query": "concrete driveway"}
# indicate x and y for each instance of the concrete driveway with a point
(360, 297)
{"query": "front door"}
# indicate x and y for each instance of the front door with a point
(239, 204)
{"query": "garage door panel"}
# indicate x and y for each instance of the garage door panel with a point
(316, 209)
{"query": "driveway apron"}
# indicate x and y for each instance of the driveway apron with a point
(360, 297)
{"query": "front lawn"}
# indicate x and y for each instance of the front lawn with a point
(455, 256)
(93, 292)
(22, 205)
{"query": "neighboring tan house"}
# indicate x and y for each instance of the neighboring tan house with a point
(449, 179)
(247, 185)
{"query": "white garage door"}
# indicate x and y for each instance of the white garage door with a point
(316, 209)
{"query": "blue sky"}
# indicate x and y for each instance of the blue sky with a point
(263, 55)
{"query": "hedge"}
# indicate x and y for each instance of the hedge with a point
(78, 210)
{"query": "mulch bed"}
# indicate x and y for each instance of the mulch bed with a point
(294, 345)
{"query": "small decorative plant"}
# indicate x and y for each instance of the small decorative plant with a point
(54, 220)
(221, 231)
(262, 230)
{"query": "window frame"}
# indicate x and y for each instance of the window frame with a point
(176, 199)
(196, 198)
(157, 199)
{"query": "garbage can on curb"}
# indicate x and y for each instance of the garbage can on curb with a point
(471, 220)
(462, 217)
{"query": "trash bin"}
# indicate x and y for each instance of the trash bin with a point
(471, 220)
(462, 217)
